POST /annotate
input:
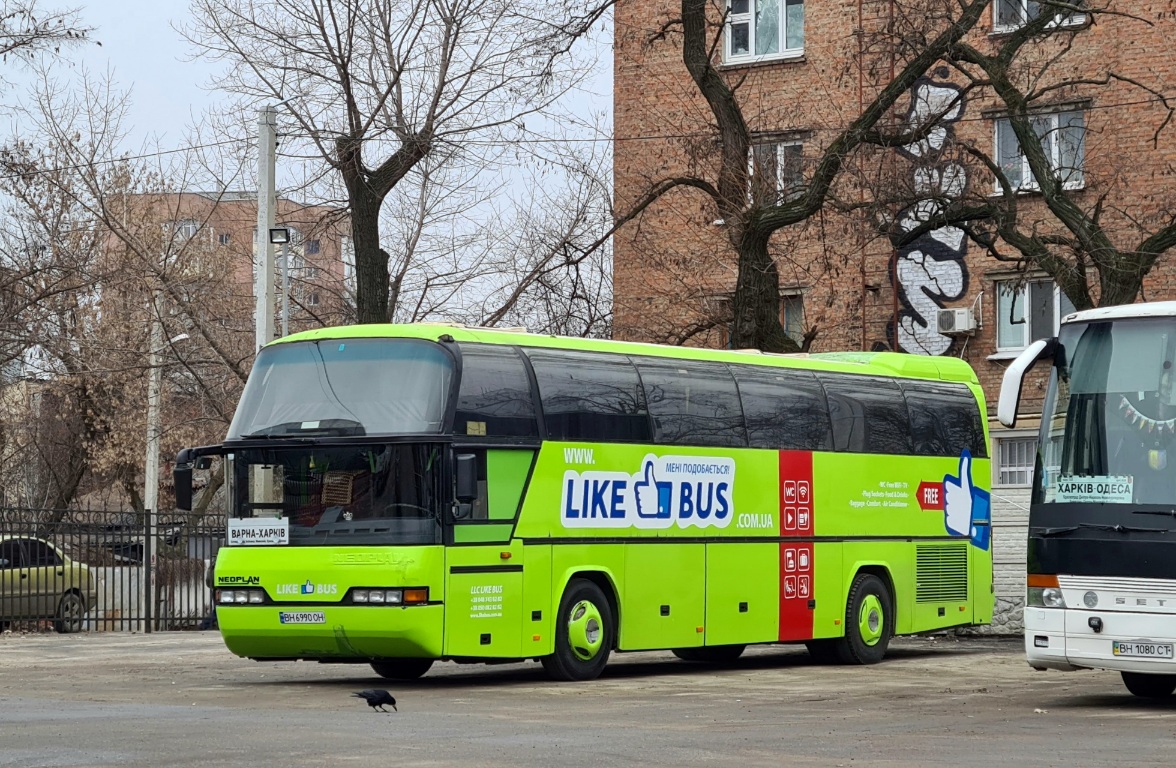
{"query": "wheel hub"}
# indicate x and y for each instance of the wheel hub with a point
(585, 630)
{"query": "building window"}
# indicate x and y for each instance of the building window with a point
(186, 229)
(310, 273)
(1062, 136)
(1014, 460)
(312, 247)
(764, 29)
(1011, 14)
(1047, 305)
(224, 238)
(792, 316)
(312, 300)
(776, 171)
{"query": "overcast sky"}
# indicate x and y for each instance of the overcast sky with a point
(149, 58)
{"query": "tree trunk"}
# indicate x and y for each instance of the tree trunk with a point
(756, 304)
(371, 261)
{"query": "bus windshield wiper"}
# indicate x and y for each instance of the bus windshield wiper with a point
(1164, 512)
(1099, 527)
(301, 430)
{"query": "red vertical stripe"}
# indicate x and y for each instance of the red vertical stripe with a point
(797, 566)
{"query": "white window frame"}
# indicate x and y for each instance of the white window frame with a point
(1022, 290)
(1060, 19)
(748, 19)
(795, 297)
(1001, 470)
(785, 188)
(1028, 182)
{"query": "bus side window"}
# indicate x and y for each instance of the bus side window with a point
(693, 403)
(945, 419)
(869, 415)
(494, 397)
(590, 397)
(785, 409)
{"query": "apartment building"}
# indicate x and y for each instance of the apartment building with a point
(802, 70)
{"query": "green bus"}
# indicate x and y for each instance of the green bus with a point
(400, 494)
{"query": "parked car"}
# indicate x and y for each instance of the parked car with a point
(38, 581)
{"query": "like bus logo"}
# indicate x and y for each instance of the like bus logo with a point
(966, 508)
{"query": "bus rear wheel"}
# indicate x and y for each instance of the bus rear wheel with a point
(869, 621)
(402, 669)
(711, 654)
(584, 633)
(1149, 686)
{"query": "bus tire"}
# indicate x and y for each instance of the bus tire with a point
(584, 632)
(401, 669)
(1149, 686)
(711, 654)
(869, 621)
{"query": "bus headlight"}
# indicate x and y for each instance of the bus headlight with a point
(377, 596)
(1045, 597)
(240, 596)
(410, 596)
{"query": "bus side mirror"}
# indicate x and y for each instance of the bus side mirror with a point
(183, 479)
(467, 477)
(1014, 377)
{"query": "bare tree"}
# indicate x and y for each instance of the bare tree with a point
(99, 249)
(724, 164)
(1032, 202)
(374, 88)
(27, 30)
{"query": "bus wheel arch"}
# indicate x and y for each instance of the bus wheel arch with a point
(585, 629)
(870, 616)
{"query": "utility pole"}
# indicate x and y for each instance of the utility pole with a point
(151, 471)
(263, 260)
(286, 287)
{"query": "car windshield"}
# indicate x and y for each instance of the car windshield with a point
(1109, 422)
(345, 387)
(339, 495)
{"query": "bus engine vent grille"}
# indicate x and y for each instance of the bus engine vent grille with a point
(941, 573)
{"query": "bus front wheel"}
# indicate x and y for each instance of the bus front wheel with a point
(402, 669)
(1149, 686)
(869, 621)
(584, 633)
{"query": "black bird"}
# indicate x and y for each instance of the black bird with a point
(377, 698)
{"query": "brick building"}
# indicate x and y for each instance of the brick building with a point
(223, 226)
(804, 70)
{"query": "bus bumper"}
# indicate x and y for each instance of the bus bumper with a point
(1057, 638)
(357, 633)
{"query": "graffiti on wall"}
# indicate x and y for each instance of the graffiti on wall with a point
(931, 271)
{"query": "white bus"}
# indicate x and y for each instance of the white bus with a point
(1101, 586)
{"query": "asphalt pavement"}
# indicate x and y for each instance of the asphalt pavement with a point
(181, 699)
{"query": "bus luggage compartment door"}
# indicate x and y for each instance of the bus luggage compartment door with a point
(483, 602)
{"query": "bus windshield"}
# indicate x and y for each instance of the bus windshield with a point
(345, 387)
(342, 495)
(1109, 419)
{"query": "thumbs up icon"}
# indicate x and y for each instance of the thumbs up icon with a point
(653, 497)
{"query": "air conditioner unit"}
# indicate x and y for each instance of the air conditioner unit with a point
(956, 322)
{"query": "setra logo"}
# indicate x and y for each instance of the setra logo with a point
(666, 491)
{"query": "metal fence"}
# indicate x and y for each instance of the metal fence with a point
(97, 570)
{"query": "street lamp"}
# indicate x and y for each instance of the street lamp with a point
(151, 470)
(281, 236)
